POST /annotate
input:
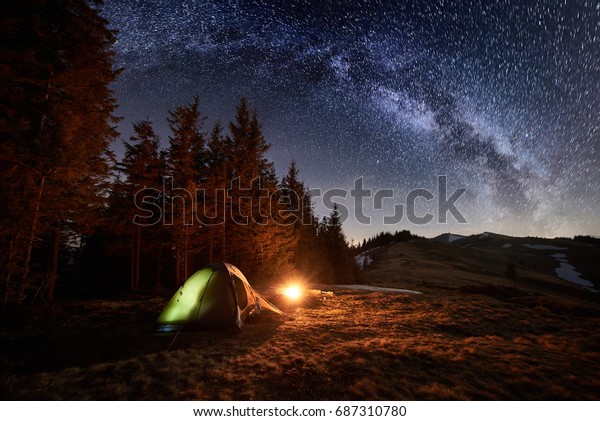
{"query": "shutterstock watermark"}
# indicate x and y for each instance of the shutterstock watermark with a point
(259, 205)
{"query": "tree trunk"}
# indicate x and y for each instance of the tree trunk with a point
(34, 224)
(8, 272)
(76, 276)
(53, 273)
(186, 254)
(226, 212)
(223, 241)
(137, 257)
(178, 265)
(132, 259)
(158, 268)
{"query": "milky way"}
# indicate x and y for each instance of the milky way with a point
(502, 97)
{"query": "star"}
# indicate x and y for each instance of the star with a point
(503, 99)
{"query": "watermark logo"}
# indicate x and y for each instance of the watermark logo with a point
(255, 204)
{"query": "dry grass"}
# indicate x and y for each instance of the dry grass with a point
(465, 338)
(354, 346)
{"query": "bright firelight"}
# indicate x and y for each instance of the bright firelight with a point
(292, 292)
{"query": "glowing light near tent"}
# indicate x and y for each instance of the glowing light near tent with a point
(293, 292)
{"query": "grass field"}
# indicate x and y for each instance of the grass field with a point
(471, 335)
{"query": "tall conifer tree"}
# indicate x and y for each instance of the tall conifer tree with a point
(252, 233)
(186, 159)
(56, 123)
(339, 256)
(142, 168)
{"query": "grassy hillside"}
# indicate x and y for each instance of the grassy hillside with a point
(471, 335)
(482, 260)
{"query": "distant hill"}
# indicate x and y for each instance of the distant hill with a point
(563, 267)
(448, 238)
(468, 239)
(587, 239)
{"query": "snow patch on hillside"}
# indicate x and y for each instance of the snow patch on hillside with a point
(448, 237)
(559, 256)
(507, 246)
(544, 247)
(567, 272)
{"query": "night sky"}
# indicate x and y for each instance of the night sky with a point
(503, 97)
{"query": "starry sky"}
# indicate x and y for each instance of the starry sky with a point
(502, 97)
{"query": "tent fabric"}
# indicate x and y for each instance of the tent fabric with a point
(218, 295)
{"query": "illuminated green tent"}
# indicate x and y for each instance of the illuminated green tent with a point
(216, 296)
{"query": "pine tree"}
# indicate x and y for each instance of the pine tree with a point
(56, 123)
(216, 182)
(299, 219)
(142, 168)
(333, 240)
(187, 159)
(254, 237)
